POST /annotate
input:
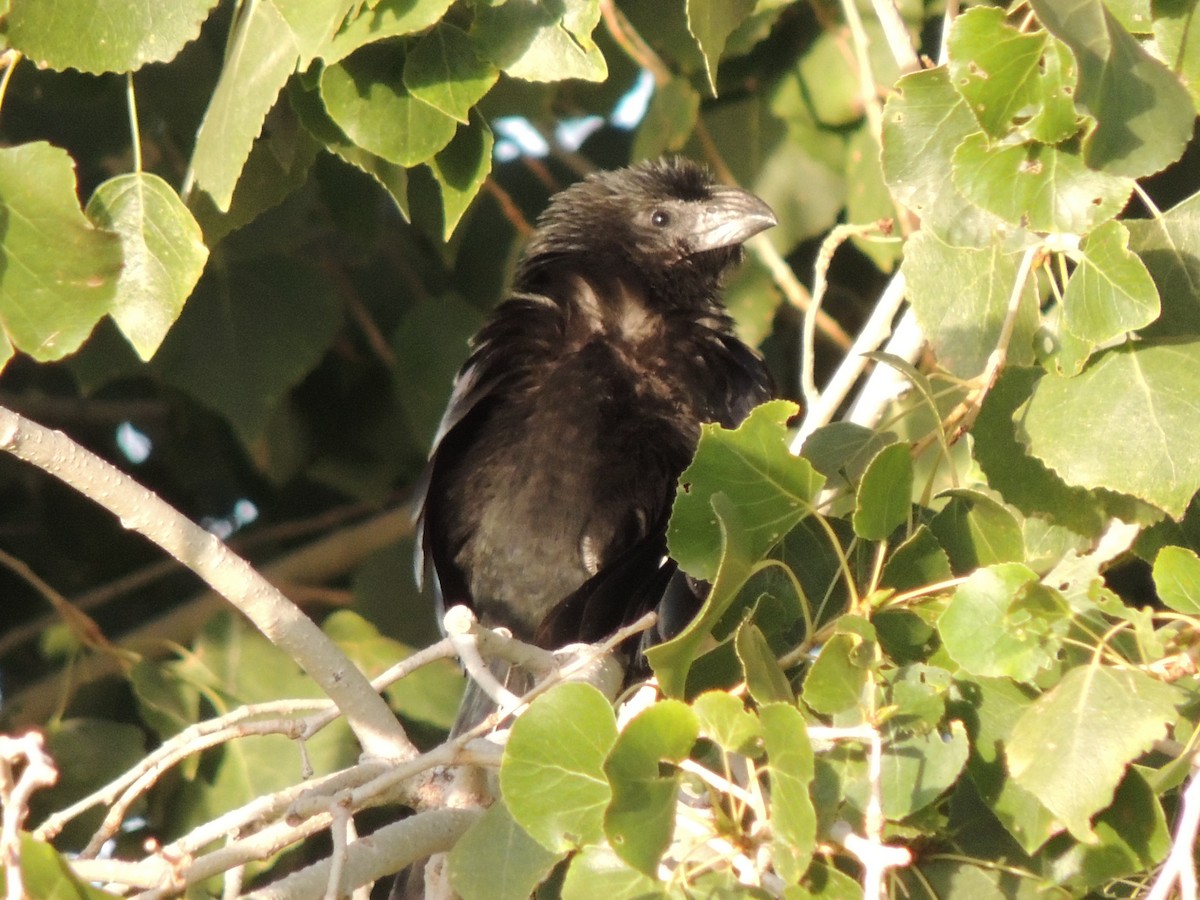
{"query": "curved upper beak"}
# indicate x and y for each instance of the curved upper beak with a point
(730, 217)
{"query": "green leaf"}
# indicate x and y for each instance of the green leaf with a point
(671, 660)
(460, 170)
(58, 273)
(640, 820)
(964, 325)
(1037, 186)
(884, 498)
(724, 720)
(752, 464)
(88, 753)
(1133, 837)
(790, 772)
(1072, 746)
(552, 775)
(992, 707)
(670, 117)
(598, 871)
(924, 122)
(1177, 579)
(1057, 119)
(842, 450)
(1132, 417)
(542, 40)
(263, 54)
(836, 679)
(917, 768)
(994, 66)
(164, 254)
(311, 112)
(120, 36)
(764, 678)
(496, 860)
(1143, 113)
(46, 874)
(1003, 622)
(1110, 292)
(977, 531)
(1178, 37)
(1170, 248)
(252, 330)
(1023, 480)
(710, 23)
(366, 96)
(918, 561)
(380, 20)
(444, 70)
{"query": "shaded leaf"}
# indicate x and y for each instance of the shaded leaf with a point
(764, 678)
(263, 325)
(496, 860)
(884, 498)
(710, 23)
(460, 169)
(977, 531)
(790, 772)
(669, 120)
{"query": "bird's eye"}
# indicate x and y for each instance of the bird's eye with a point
(660, 218)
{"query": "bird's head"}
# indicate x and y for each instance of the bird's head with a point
(666, 220)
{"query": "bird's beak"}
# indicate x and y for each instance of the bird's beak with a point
(731, 217)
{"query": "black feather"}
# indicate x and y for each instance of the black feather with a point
(552, 476)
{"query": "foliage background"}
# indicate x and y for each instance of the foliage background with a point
(271, 284)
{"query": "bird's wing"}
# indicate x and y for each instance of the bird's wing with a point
(520, 331)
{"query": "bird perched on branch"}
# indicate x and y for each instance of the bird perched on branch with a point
(552, 475)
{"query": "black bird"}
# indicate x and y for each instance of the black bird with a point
(553, 472)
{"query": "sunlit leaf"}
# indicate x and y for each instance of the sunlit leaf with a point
(1110, 292)
(121, 36)
(164, 254)
(1037, 186)
(366, 96)
(1143, 113)
(640, 820)
(1004, 622)
(552, 775)
(58, 272)
(1132, 417)
(444, 70)
(1072, 746)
